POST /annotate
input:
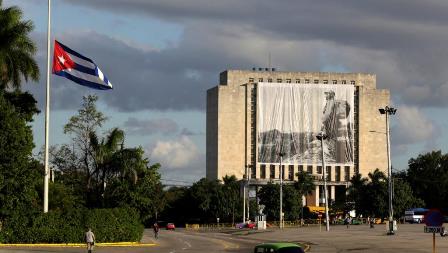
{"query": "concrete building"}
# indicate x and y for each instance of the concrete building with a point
(235, 141)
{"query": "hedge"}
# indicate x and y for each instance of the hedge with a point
(109, 225)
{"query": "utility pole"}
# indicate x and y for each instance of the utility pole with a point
(322, 136)
(281, 154)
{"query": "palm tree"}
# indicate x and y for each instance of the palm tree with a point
(16, 49)
(104, 151)
(356, 191)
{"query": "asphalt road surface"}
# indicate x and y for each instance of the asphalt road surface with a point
(358, 238)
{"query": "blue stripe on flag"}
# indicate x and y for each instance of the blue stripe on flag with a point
(85, 69)
(83, 81)
(68, 50)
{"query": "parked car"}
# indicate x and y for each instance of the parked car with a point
(170, 226)
(279, 247)
(245, 225)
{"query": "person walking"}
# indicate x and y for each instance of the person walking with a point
(156, 230)
(90, 240)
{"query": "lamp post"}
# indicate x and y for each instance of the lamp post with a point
(389, 111)
(322, 136)
(249, 171)
(281, 154)
(244, 195)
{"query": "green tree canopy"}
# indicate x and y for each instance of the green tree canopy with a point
(16, 49)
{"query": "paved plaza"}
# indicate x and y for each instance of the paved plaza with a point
(410, 238)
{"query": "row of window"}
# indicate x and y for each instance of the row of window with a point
(316, 81)
(288, 172)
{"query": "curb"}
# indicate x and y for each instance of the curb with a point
(74, 245)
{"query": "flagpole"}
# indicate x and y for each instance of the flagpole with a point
(47, 113)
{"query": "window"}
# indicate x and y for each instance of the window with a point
(316, 81)
(260, 80)
(288, 80)
(328, 173)
(300, 168)
(251, 80)
(352, 82)
(297, 80)
(307, 80)
(272, 171)
(309, 169)
(269, 80)
(283, 171)
(319, 169)
(263, 171)
(291, 172)
(344, 82)
(335, 81)
(325, 81)
(338, 173)
(253, 172)
(279, 80)
(347, 173)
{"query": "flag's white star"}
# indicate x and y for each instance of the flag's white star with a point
(61, 59)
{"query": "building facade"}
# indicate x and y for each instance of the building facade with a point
(254, 116)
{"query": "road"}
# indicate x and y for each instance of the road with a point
(359, 238)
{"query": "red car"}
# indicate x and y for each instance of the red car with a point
(170, 226)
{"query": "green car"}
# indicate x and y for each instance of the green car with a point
(278, 247)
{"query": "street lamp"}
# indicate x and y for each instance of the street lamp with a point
(322, 136)
(281, 154)
(389, 111)
(244, 195)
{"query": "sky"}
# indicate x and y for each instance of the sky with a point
(162, 56)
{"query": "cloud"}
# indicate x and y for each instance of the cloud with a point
(411, 126)
(180, 158)
(407, 40)
(152, 126)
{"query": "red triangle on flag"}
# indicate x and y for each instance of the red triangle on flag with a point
(61, 60)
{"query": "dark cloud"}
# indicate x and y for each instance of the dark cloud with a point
(152, 126)
(410, 33)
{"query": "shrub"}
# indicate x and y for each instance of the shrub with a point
(109, 225)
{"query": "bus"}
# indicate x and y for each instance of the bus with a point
(415, 215)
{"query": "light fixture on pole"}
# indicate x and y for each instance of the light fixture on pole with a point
(389, 111)
(322, 136)
(281, 154)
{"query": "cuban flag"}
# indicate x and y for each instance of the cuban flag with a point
(78, 68)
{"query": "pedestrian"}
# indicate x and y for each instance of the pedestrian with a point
(156, 230)
(372, 223)
(90, 240)
(347, 221)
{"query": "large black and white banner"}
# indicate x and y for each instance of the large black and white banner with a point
(289, 116)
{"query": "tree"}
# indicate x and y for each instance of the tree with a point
(355, 192)
(232, 198)
(376, 198)
(428, 177)
(16, 49)
(19, 174)
(269, 197)
(82, 127)
(304, 185)
(404, 197)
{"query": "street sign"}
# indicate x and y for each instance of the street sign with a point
(434, 218)
(437, 230)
